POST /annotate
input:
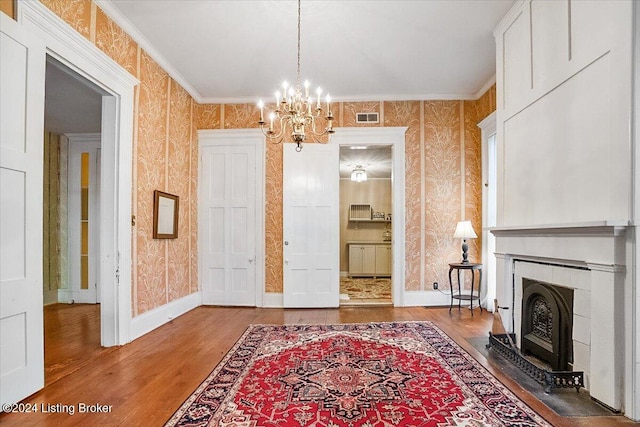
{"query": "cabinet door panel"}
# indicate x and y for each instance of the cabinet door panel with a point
(368, 259)
(383, 260)
(355, 260)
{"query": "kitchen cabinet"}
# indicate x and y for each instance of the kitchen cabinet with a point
(383, 260)
(369, 259)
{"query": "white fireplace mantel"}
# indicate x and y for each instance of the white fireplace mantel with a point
(590, 258)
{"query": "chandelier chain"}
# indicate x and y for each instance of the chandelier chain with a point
(298, 72)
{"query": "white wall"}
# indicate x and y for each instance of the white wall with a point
(564, 106)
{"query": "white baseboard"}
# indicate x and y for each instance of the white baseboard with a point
(273, 300)
(50, 297)
(67, 296)
(426, 299)
(411, 299)
(150, 320)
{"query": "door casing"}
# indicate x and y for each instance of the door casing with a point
(395, 137)
(72, 50)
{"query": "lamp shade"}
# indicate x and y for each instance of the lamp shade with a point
(464, 230)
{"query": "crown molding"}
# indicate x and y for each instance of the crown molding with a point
(133, 32)
(485, 87)
(509, 17)
(356, 98)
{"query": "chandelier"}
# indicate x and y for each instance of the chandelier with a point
(296, 112)
(359, 174)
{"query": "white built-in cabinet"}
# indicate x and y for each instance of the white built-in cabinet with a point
(369, 259)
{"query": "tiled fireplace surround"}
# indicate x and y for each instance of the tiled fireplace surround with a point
(590, 259)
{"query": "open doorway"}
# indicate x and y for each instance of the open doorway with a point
(71, 234)
(366, 246)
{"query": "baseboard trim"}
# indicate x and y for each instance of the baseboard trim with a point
(50, 297)
(273, 300)
(426, 299)
(150, 320)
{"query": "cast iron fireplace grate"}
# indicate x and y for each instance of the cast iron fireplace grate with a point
(502, 343)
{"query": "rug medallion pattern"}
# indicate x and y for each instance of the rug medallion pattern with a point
(369, 375)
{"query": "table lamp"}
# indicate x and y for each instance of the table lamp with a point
(464, 231)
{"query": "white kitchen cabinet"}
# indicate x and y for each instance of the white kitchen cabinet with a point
(369, 259)
(383, 260)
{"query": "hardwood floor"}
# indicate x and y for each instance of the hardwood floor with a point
(71, 339)
(144, 382)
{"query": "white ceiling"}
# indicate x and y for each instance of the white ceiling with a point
(375, 160)
(72, 104)
(239, 51)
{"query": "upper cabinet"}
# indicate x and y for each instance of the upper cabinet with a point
(564, 92)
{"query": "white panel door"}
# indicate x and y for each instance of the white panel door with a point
(88, 145)
(228, 224)
(311, 226)
(22, 74)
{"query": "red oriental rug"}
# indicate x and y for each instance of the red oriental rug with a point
(369, 375)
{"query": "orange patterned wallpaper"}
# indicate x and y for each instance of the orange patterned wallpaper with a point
(442, 136)
(165, 158)
(8, 7)
(443, 180)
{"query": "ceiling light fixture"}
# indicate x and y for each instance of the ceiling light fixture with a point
(294, 111)
(359, 174)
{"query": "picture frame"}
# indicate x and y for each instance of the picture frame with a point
(165, 215)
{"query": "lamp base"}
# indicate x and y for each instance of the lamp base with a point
(465, 255)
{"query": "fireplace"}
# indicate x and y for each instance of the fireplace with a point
(580, 269)
(547, 323)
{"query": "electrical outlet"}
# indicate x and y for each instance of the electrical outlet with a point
(435, 286)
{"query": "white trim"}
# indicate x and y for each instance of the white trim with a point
(82, 57)
(509, 17)
(110, 10)
(488, 124)
(485, 87)
(74, 296)
(394, 136)
(152, 319)
(227, 137)
(632, 359)
(358, 98)
(273, 300)
(488, 129)
(427, 299)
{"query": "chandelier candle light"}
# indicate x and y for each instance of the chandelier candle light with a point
(295, 111)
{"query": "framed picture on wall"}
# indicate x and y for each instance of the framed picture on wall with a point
(165, 215)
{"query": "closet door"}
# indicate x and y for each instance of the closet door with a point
(230, 219)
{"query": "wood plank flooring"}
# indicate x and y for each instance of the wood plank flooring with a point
(145, 381)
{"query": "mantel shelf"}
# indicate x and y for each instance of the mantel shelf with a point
(577, 228)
